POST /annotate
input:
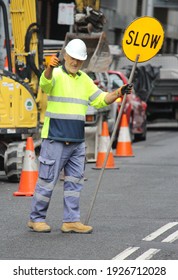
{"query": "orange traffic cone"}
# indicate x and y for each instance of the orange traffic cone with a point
(102, 150)
(6, 67)
(123, 147)
(6, 64)
(29, 173)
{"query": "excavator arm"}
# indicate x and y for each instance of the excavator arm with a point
(88, 17)
(88, 26)
(81, 5)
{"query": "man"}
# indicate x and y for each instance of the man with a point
(69, 91)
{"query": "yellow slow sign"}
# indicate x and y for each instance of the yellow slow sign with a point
(143, 37)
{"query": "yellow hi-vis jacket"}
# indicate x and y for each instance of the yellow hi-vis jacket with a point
(68, 100)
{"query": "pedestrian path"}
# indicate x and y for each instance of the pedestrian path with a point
(151, 252)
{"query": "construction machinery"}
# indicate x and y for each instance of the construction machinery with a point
(88, 26)
(22, 103)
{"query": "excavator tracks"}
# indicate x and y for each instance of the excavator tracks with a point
(13, 159)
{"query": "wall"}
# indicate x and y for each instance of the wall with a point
(118, 14)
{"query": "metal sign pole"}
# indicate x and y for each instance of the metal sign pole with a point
(111, 141)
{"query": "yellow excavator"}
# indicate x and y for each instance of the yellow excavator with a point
(22, 103)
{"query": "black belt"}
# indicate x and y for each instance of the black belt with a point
(65, 142)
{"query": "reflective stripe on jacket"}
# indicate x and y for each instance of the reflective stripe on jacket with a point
(68, 100)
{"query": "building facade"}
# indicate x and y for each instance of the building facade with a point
(121, 13)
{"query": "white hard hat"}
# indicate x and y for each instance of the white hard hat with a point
(76, 48)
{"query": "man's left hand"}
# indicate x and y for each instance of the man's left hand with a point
(126, 89)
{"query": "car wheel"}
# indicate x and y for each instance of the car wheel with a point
(114, 144)
(142, 136)
(132, 136)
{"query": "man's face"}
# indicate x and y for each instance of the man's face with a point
(72, 64)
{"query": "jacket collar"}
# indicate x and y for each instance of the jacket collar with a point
(65, 70)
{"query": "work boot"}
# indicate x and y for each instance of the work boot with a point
(39, 226)
(76, 227)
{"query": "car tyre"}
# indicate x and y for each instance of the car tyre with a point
(142, 136)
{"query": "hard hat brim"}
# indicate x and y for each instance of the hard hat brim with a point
(75, 56)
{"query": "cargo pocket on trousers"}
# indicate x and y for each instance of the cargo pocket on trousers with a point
(46, 168)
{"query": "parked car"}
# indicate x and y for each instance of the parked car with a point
(93, 115)
(135, 107)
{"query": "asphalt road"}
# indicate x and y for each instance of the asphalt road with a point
(135, 215)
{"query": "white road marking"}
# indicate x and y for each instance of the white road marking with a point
(123, 255)
(151, 252)
(172, 237)
(158, 232)
(148, 254)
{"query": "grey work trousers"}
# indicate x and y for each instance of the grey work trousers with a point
(55, 156)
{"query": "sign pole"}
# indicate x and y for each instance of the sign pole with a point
(111, 141)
